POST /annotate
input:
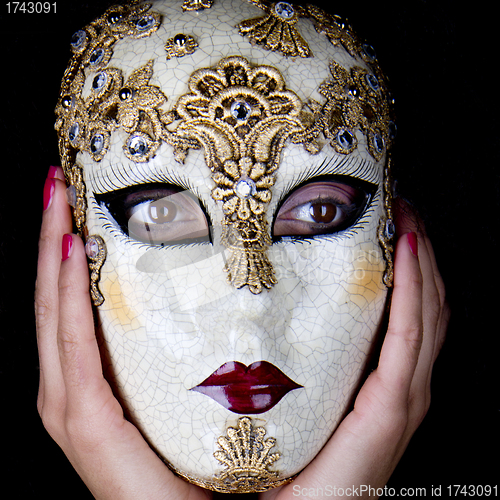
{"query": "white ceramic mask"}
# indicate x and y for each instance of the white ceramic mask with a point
(229, 170)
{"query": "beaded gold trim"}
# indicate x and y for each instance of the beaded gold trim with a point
(386, 230)
(74, 177)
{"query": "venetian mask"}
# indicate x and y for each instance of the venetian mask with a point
(228, 167)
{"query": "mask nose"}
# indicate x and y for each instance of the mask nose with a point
(246, 327)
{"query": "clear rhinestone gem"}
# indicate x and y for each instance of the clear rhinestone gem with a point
(97, 56)
(71, 196)
(180, 40)
(373, 83)
(97, 143)
(73, 133)
(284, 10)
(144, 23)
(241, 110)
(369, 52)
(390, 229)
(92, 248)
(99, 81)
(78, 39)
(345, 139)
(245, 188)
(137, 146)
(125, 93)
(378, 142)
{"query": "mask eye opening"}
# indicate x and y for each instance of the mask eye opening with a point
(366, 192)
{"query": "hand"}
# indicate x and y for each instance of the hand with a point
(76, 403)
(393, 401)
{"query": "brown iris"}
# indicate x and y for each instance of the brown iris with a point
(323, 212)
(162, 211)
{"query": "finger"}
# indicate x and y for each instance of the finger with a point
(444, 313)
(434, 317)
(400, 351)
(78, 350)
(55, 222)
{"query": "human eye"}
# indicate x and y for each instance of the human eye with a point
(158, 214)
(321, 207)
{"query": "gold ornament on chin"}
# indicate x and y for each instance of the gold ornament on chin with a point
(246, 457)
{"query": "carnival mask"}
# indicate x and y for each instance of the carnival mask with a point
(228, 167)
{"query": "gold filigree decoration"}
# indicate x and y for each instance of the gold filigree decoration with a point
(92, 50)
(197, 4)
(247, 457)
(134, 105)
(355, 100)
(96, 253)
(386, 229)
(76, 184)
(277, 30)
(180, 45)
(242, 116)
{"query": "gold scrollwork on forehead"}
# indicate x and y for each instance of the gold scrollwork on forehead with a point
(242, 116)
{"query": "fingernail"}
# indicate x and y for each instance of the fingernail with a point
(67, 246)
(413, 243)
(55, 173)
(48, 192)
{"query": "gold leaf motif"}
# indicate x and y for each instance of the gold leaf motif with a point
(355, 99)
(277, 30)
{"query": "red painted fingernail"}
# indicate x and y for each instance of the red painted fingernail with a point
(413, 242)
(67, 246)
(55, 173)
(48, 192)
(52, 173)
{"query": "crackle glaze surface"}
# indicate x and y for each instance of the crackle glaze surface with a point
(169, 317)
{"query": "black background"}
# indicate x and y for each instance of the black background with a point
(442, 59)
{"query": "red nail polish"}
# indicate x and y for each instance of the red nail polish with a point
(52, 172)
(48, 192)
(413, 243)
(67, 246)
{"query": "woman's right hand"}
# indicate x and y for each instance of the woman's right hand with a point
(75, 402)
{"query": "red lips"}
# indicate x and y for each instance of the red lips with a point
(250, 390)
